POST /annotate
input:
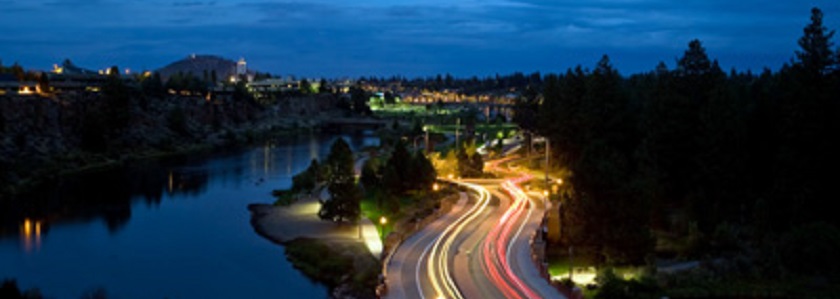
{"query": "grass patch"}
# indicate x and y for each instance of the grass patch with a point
(416, 204)
(347, 265)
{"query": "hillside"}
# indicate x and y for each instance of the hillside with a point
(43, 137)
(198, 64)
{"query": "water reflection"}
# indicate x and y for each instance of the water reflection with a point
(152, 221)
(107, 196)
(30, 235)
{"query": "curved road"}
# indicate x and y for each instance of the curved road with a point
(480, 249)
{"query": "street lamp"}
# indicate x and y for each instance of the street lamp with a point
(383, 220)
(457, 127)
(425, 130)
(436, 187)
(426, 140)
(547, 154)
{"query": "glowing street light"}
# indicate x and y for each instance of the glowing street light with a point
(383, 220)
(436, 187)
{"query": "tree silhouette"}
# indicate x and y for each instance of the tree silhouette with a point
(343, 204)
(816, 55)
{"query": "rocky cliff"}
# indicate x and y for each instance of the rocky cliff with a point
(44, 136)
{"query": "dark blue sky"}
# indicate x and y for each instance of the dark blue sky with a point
(409, 37)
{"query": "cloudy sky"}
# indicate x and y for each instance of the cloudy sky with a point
(408, 37)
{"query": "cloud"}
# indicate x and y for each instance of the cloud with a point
(332, 37)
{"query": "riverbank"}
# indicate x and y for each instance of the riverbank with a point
(47, 137)
(328, 253)
(31, 176)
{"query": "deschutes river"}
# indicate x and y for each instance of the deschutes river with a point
(169, 228)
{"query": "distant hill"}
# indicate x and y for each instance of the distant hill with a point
(197, 64)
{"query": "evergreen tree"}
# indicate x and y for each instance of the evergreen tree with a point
(816, 56)
(694, 62)
(359, 98)
(323, 87)
(399, 170)
(370, 177)
(424, 172)
(345, 196)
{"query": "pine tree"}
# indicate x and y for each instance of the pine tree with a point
(399, 170)
(424, 172)
(341, 183)
(816, 56)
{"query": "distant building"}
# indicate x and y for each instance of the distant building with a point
(10, 85)
(241, 67)
(265, 87)
(71, 78)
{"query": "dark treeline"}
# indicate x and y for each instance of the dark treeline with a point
(724, 160)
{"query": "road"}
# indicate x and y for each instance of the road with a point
(480, 249)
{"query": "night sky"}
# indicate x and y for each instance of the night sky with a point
(337, 38)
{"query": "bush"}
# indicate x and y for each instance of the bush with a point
(613, 287)
(318, 261)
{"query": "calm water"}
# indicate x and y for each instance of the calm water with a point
(163, 229)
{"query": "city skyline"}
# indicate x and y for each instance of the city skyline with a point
(409, 38)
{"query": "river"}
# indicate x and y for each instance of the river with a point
(169, 228)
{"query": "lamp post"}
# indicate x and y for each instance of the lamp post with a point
(547, 180)
(547, 154)
(382, 222)
(428, 149)
(457, 126)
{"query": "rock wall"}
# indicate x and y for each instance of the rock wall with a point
(38, 133)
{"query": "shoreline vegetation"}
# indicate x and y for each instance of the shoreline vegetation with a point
(321, 232)
(324, 252)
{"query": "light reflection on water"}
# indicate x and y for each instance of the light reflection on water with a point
(30, 235)
(177, 228)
